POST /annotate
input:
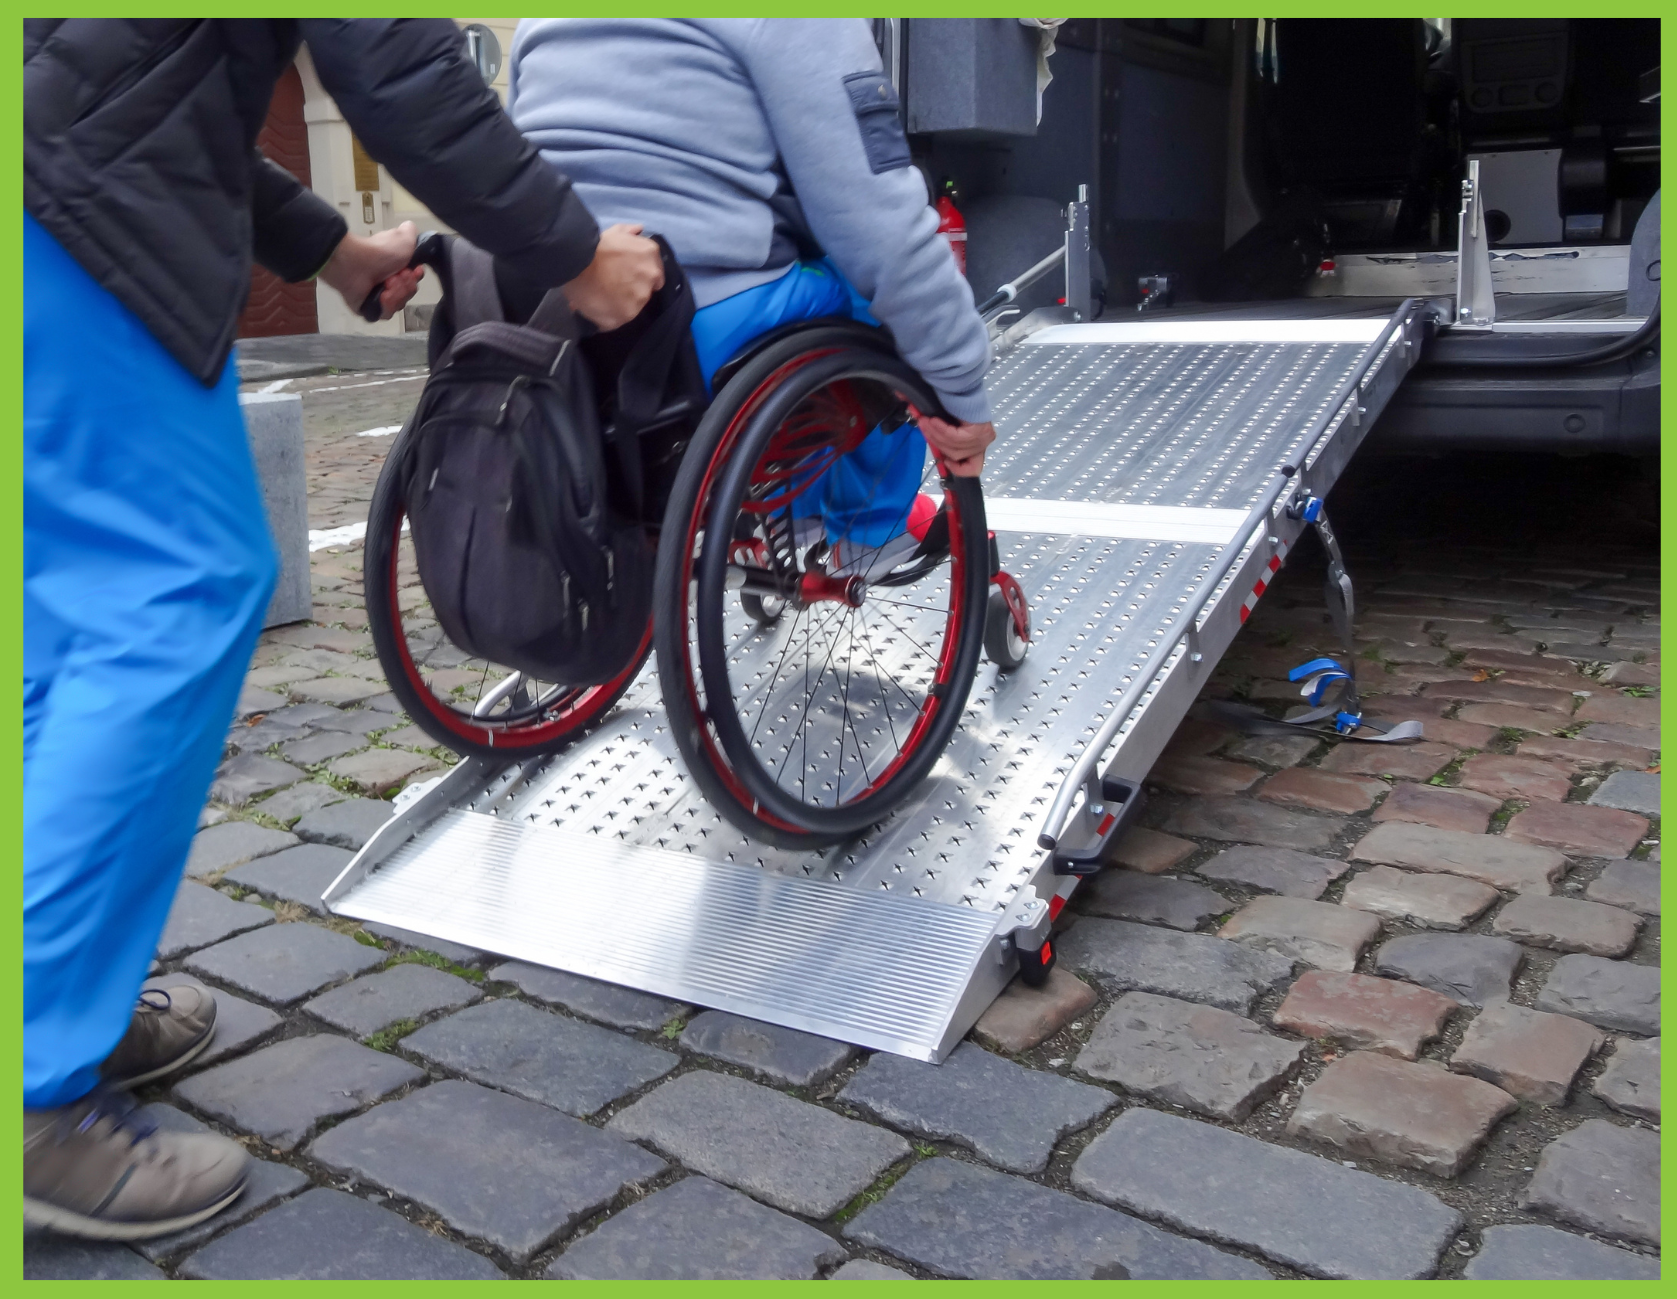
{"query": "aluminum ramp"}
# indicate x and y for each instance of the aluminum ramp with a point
(1138, 490)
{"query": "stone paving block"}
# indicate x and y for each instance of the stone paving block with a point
(1152, 899)
(299, 800)
(1511, 717)
(409, 737)
(363, 1006)
(1150, 852)
(1245, 820)
(283, 1091)
(336, 690)
(1275, 870)
(232, 843)
(697, 1230)
(958, 1220)
(47, 1257)
(606, 1002)
(1196, 736)
(1577, 827)
(244, 777)
(1313, 933)
(1640, 737)
(1196, 1057)
(1024, 1016)
(572, 1066)
(312, 750)
(865, 1269)
(1447, 809)
(310, 636)
(348, 823)
(378, 770)
(1631, 1081)
(1568, 925)
(326, 1235)
(254, 700)
(793, 1155)
(1358, 1010)
(1503, 776)
(1425, 899)
(1489, 858)
(456, 952)
(301, 875)
(1632, 674)
(1634, 885)
(783, 1054)
(1558, 668)
(1193, 967)
(200, 916)
(388, 704)
(1528, 1053)
(1471, 968)
(1405, 708)
(244, 737)
(1012, 1116)
(319, 663)
(1321, 791)
(1526, 1252)
(492, 1166)
(1584, 753)
(1310, 1213)
(1620, 710)
(1275, 750)
(1603, 1178)
(266, 1185)
(1192, 774)
(1609, 994)
(284, 963)
(238, 1023)
(359, 721)
(1631, 791)
(1544, 700)
(1461, 735)
(1415, 1114)
(1419, 761)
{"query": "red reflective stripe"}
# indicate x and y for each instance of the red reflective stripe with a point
(1106, 823)
(1056, 904)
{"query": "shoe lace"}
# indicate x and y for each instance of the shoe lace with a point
(121, 1109)
(155, 1000)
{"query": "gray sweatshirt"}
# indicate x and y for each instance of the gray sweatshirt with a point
(703, 130)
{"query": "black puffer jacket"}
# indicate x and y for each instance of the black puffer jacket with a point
(139, 156)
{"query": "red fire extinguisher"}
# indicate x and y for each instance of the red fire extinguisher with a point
(951, 225)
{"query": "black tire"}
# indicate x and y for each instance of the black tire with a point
(551, 717)
(764, 609)
(692, 600)
(1002, 643)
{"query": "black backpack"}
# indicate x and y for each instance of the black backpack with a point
(524, 493)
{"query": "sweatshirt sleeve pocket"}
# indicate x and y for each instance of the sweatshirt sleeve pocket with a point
(875, 105)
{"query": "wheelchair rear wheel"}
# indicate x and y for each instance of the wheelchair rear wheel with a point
(812, 686)
(462, 701)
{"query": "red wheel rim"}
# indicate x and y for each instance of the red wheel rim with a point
(571, 712)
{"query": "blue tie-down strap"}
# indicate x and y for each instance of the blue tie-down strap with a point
(1304, 670)
(1346, 723)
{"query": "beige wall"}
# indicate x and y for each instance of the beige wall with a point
(332, 163)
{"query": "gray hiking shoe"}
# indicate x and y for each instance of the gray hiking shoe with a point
(99, 1169)
(170, 1027)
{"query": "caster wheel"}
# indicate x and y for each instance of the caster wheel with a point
(1002, 643)
(764, 610)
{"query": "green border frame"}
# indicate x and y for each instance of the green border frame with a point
(11, 583)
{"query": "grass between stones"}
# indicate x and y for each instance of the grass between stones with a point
(1449, 774)
(386, 1038)
(875, 1193)
(418, 956)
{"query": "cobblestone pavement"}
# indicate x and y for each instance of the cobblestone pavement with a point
(1337, 1010)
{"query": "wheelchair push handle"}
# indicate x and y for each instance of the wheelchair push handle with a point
(427, 251)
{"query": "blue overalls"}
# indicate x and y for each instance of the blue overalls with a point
(147, 567)
(866, 496)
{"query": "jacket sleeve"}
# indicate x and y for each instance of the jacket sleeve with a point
(832, 114)
(417, 103)
(295, 231)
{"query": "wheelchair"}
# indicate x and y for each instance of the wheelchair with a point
(809, 690)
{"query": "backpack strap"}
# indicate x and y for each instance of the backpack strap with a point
(645, 378)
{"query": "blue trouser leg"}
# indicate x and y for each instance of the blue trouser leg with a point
(865, 498)
(147, 568)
